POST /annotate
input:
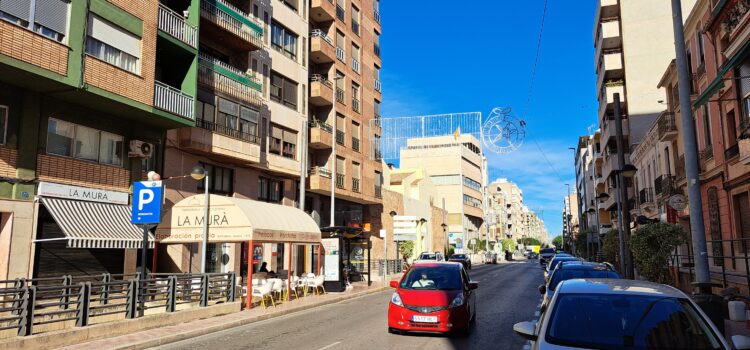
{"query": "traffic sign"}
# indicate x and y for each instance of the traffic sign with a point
(147, 197)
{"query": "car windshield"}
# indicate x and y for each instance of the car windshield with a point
(427, 256)
(458, 256)
(628, 322)
(556, 261)
(432, 278)
(547, 251)
(564, 275)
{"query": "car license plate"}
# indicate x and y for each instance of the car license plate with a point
(424, 319)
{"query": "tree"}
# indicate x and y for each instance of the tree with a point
(406, 248)
(652, 245)
(557, 241)
(611, 248)
(529, 241)
(509, 244)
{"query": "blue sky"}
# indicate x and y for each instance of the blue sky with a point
(442, 58)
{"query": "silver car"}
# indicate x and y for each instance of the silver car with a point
(621, 314)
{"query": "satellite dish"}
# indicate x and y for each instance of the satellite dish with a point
(503, 133)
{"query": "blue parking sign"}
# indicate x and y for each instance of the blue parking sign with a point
(147, 196)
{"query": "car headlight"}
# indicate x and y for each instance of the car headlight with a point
(457, 301)
(396, 299)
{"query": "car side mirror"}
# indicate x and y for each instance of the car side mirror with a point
(394, 284)
(741, 342)
(473, 285)
(542, 289)
(525, 330)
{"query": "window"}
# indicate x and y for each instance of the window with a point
(355, 97)
(355, 136)
(49, 18)
(340, 166)
(3, 123)
(77, 141)
(376, 44)
(229, 113)
(220, 179)
(340, 46)
(355, 57)
(112, 44)
(270, 190)
(376, 108)
(340, 12)
(283, 142)
(355, 20)
(283, 90)
(249, 121)
(474, 185)
(701, 47)
(340, 129)
(471, 201)
(706, 126)
(292, 4)
(283, 40)
(690, 70)
(205, 111)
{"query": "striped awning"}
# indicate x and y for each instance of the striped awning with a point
(95, 225)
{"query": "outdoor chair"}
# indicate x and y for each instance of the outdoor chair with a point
(317, 282)
(264, 291)
(293, 285)
(277, 286)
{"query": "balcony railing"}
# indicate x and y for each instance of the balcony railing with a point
(707, 152)
(377, 85)
(679, 167)
(355, 185)
(666, 124)
(218, 75)
(732, 151)
(355, 105)
(341, 54)
(340, 180)
(321, 34)
(376, 49)
(228, 131)
(321, 79)
(645, 196)
(340, 13)
(321, 125)
(355, 144)
(322, 171)
(376, 15)
(355, 65)
(174, 24)
(233, 20)
(340, 137)
(665, 185)
(378, 191)
(173, 100)
(340, 95)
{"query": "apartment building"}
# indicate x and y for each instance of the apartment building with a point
(570, 223)
(512, 197)
(455, 165)
(534, 225)
(497, 212)
(84, 108)
(633, 42)
(251, 118)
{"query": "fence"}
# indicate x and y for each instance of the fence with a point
(36, 305)
(394, 266)
(729, 262)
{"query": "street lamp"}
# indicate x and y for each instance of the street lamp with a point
(199, 173)
(623, 215)
(393, 214)
(445, 237)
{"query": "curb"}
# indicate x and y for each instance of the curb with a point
(172, 338)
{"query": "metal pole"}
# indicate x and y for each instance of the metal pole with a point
(619, 225)
(204, 244)
(303, 166)
(623, 190)
(144, 276)
(691, 157)
(334, 175)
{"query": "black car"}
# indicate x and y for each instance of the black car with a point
(545, 255)
(463, 259)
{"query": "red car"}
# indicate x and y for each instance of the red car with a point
(433, 297)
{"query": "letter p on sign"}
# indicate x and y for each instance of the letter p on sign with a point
(145, 196)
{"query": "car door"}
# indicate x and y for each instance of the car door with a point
(469, 294)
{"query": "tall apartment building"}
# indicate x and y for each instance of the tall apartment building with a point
(85, 101)
(633, 42)
(497, 212)
(514, 220)
(455, 165)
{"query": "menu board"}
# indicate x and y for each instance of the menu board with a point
(331, 258)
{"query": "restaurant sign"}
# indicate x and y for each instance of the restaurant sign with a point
(49, 189)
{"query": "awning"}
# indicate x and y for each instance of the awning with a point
(236, 220)
(94, 225)
(718, 83)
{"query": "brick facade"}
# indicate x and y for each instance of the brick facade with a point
(81, 173)
(8, 162)
(27, 46)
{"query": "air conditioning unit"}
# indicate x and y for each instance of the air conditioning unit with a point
(140, 149)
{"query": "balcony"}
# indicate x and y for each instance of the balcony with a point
(666, 127)
(322, 49)
(609, 129)
(376, 49)
(610, 66)
(321, 91)
(173, 101)
(645, 197)
(220, 142)
(355, 185)
(340, 95)
(174, 24)
(340, 178)
(322, 10)
(341, 54)
(355, 65)
(355, 105)
(230, 26)
(665, 185)
(321, 171)
(707, 153)
(340, 137)
(679, 167)
(355, 144)
(223, 78)
(607, 97)
(321, 136)
(377, 86)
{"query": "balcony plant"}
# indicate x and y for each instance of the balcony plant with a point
(652, 245)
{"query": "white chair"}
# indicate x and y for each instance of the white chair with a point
(277, 286)
(317, 282)
(264, 291)
(293, 286)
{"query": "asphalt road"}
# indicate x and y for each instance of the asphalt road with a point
(507, 294)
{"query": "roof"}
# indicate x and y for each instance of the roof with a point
(426, 263)
(582, 265)
(618, 286)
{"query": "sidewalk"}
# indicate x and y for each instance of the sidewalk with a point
(178, 332)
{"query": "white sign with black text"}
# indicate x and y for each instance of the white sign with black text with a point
(49, 189)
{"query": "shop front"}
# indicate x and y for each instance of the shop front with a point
(244, 234)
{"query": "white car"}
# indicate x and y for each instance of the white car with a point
(427, 256)
(621, 314)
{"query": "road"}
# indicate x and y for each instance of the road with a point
(507, 294)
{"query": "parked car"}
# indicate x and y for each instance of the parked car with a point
(532, 255)
(545, 255)
(490, 258)
(567, 270)
(620, 314)
(464, 259)
(433, 297)
(553, 263)
(427, 256)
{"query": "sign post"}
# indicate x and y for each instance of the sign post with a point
(146, 210)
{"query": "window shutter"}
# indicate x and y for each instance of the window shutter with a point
(276, 132)
(340, 163)
(290, 137)
(52, 14)
(18, 8)
(290, 92)
(250, 115)
(114, 36)
(228, 107)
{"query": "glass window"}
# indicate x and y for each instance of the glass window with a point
(284, 40)
(110, 151)
(432, 278)
(283, 90)
(270, 190)
(60, 137)
(113, 44)
(564, 275)
(221, 180)
(249, 121)
(87, 143)
(49, 18)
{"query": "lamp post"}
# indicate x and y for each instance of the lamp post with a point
(199, 173)
(445, 238)
(393, 224)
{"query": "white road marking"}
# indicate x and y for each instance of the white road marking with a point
(330, 345)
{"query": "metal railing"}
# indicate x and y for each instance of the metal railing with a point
(340, 95)
(174, 24)
(732, 151)
(320, 78)
(355, 105)
(729, 262)
(707, 152)
(340, 13)
(377, 85)
(340, 178)
(42, 304)
(204, 57)
(666, 124)
(355, 185)
(319, 124)
(322, 171)
(355, 144)
(376, 15)
(341, 54)
(318, 33)
(355, 65)
(378, 191)
(222, 83)
(231, 24)
(173, 100)
(228, 131)
(340, 137)
(665, 185)
(645, 196)
(394, 266)
(679, 167)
